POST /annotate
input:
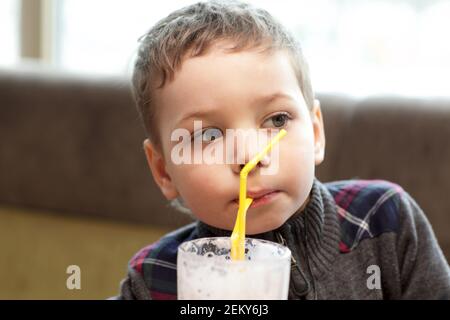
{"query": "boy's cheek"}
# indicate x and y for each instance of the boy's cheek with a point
(196, 180)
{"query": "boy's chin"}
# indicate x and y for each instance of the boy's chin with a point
(263, 228)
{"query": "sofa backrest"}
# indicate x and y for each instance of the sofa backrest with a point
(74, 144)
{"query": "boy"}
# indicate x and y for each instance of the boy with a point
(230, 65)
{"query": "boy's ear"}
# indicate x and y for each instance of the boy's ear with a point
(319, 133)
(157, 165)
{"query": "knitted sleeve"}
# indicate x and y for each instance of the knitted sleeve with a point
(133, 287)
(424, 271)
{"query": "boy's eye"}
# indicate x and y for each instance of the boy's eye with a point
(278, 120)
(209, 134)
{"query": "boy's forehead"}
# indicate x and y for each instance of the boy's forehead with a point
(220, 78)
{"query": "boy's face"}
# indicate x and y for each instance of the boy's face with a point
(229, 86)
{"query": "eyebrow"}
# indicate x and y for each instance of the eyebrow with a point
(266, 99)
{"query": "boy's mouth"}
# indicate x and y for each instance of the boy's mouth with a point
(260, 197)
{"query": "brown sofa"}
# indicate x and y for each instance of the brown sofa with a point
(73, 145)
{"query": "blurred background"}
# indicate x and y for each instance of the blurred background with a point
(381, 45)
(74, 187)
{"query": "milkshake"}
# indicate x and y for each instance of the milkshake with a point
(205, 270)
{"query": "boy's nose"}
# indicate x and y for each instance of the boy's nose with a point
(237, 167)
(245, 149)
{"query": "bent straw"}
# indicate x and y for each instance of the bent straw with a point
(238, 235)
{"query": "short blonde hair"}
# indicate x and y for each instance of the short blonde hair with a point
(192, 30)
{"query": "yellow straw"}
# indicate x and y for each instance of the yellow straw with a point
(238, 235)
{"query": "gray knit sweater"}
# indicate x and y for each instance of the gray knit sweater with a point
(355, 239)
